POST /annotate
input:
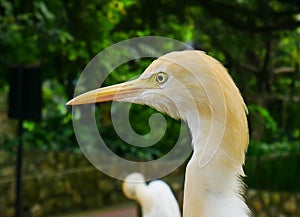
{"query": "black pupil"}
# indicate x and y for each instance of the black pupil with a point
(160, 77)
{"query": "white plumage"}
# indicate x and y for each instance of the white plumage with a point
(156, 198)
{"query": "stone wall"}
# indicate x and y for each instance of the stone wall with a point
(273, 204)
(56, 183)
(60, 182)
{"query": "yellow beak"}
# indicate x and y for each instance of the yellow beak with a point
(130, 89)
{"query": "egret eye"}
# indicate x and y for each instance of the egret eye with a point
(161, 77)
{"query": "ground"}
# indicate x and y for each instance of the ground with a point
(129, 210)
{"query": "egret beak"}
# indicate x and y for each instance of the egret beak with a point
(118, 92)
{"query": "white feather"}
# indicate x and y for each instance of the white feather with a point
(156, 199)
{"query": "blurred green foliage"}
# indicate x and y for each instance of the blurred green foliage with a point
(274, 172)
(258, 41)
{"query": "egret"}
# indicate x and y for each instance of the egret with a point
(156, 199)
(174, 84)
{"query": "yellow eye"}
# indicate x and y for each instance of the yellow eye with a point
(161, 77)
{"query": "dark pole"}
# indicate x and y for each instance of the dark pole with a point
(19, 98)
(19, 170)
(24, 104)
